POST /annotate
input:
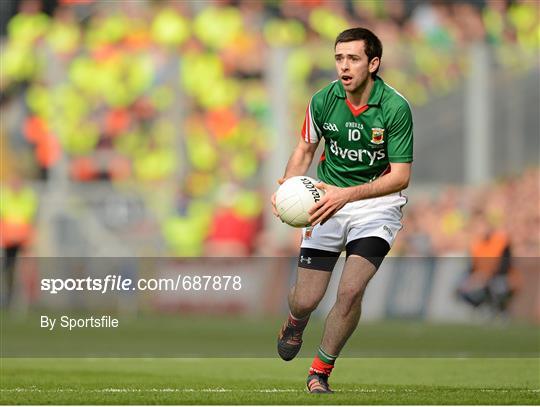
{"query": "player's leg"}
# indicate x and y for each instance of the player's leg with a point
(364, 257)
(344, 316)
(314, 271)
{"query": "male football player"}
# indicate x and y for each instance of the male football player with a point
(368, 141)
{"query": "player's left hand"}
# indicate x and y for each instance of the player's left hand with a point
(333, 200)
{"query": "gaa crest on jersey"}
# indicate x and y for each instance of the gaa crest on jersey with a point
(377, 135)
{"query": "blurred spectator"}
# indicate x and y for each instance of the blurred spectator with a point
(492, 280)
(416, 242)
(445, 221)
(18, 208)
(235, 225)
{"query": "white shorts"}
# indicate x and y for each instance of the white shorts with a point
(375, 217)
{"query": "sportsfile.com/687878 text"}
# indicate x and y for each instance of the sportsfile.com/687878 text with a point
(118, 283)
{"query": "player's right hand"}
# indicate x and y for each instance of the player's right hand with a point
(274, 209)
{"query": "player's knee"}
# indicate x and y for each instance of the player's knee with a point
(349, 299)
(304, 304)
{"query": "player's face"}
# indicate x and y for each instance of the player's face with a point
(352, 65)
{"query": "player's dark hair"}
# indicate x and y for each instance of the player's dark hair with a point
(372, 43)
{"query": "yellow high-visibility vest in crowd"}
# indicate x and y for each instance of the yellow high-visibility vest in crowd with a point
(18, 206)
(17, 210)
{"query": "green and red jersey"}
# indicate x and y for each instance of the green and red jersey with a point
(360, 143)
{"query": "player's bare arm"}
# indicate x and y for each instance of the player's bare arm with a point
(298, 164)
(300, 159)
(396, 180)
(336, 198)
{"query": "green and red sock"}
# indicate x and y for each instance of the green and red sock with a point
(323, 363)
(297, 323)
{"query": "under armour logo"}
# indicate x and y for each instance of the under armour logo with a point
(306, 260)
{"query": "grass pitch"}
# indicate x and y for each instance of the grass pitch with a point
(390, 362)
(268, 381)
(174, 336)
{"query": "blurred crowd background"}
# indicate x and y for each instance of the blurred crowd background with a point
(153, 128)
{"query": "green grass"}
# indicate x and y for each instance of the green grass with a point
(177, 336)
(268, 381)
(389, 362)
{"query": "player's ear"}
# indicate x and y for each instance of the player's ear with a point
(374, 64)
